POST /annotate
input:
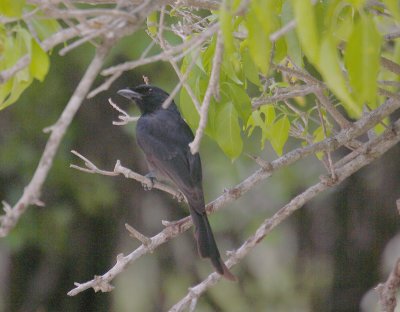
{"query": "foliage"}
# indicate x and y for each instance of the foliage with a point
(16, 42)
(341, 41)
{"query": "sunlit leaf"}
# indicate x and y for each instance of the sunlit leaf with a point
(239, 98)
(151, 22)
(394, 8)
(342, 26)
(228, 130)
(362, 56)
(306, 27)
(258, 40)
(226, 20)
(330, 69)
(293, 45)
(45, 27)
(318, 136)
(357, 3)
(20, 82)
(40, 63)
(249, 68)
(262, 118)
(12, 8)
(279, 134)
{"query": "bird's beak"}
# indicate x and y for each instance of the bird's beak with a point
(129, 94)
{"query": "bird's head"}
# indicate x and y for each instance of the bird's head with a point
(147, 97)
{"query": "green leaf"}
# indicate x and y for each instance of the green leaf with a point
(239, 97)
(228, 130)
(362, 57)
(226, 21)
(45, 27)
(280, 134)
(188, 109)
(20, 82)
(151, 22)
(198, 81)
(394, 7)
(330, 70)
(40, 63)
(14, 48)
(342, 24)
(319, 135)
(228, 68)
(293, 45)
(258, 41)
(208, 55)
(262, 118)
(249, 68)
(12, 8)
(306, 27)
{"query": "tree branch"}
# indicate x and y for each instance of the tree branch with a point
(330, 144)
(212, 89)
(370, 151)
(127, 173)
(387, 291)
(32, 191)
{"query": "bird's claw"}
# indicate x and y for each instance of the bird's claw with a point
(148, 186)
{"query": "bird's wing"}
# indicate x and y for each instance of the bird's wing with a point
(164, 138)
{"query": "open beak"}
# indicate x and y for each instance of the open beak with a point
(129, 94)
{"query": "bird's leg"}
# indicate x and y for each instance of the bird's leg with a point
(175, 225)
(152, 177)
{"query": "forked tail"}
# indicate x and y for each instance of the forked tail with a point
(206, 245)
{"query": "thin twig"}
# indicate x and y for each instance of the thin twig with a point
(344, 136)
(371, 152)
(121, 170)
(124, 118)
(139, 236)
(387, 291)
(212, 88)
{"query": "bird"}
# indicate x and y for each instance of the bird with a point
(164, 137)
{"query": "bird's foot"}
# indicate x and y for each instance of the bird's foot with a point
(175, 225)
(148, 185)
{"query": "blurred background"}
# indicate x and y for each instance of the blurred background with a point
(328, 256)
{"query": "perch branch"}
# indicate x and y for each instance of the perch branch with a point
(345, 135)
(121, 170)
(371, 150)
(387, 291)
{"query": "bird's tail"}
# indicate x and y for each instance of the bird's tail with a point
(206, 245)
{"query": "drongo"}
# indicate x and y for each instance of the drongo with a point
(164, 136)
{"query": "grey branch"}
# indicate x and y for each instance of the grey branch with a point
(330, 144)
(387, 291)
(127, 173)
(370, 151)
(212, 90)
(31, 195)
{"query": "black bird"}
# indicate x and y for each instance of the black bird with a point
(164, 136)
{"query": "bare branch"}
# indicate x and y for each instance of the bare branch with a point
(124, 118)
(121, 170)
(358, 128)
(32, 191)
(390, 65)
(139, 236)
(387, 291)
(283, 94)
(187, 46)
(371, 150)
(212, 89)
